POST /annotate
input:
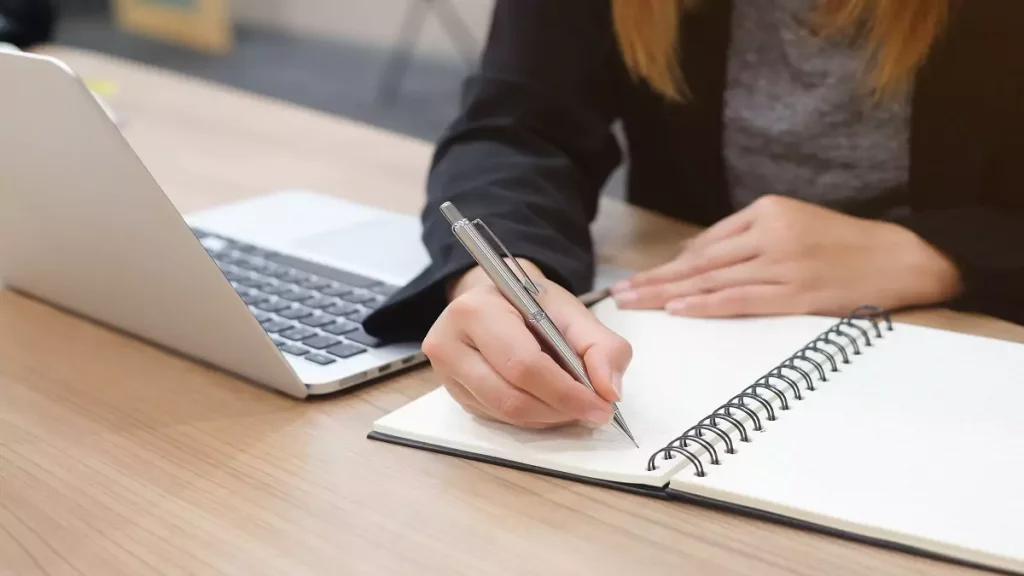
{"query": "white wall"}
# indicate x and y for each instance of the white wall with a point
(369, 22)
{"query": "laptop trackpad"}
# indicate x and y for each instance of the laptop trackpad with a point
(383, 248)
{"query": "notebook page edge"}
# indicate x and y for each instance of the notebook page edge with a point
(851, 530)
(391, 425)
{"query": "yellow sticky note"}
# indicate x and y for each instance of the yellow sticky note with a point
(102, 87)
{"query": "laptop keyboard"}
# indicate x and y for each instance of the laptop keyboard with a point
(311, 311)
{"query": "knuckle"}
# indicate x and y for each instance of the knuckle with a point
(462, 308)
(767, 202)
(569, 399)
(521, 367)
(432, 345)
(512, 408)
(622, 347)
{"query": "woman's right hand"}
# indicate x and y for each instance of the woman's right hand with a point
(492, 364)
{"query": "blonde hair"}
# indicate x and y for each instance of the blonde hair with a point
(895, 35)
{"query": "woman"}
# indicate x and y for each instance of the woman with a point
(843, 152)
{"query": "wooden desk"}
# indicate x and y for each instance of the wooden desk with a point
(117, 458)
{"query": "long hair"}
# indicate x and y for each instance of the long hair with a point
(894, 37)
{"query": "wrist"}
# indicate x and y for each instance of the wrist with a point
(934, 276)
(476, 277)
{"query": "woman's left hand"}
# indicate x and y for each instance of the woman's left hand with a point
(784, 256)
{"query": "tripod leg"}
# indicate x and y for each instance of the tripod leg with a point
(401, 56)
(458, 31)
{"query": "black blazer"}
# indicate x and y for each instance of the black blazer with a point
(534, 145)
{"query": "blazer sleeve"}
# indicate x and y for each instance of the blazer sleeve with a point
(986, 240)
(528, 154)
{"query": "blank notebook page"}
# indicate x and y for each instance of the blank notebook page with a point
(682, 369)
(920, 441)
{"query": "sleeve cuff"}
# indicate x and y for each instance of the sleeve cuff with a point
(408, 315)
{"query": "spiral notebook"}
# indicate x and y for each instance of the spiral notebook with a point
(894, 434)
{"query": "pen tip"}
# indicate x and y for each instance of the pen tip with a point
(621, 425)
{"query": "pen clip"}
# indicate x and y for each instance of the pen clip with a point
(523, 277)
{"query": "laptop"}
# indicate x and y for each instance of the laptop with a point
(272, 289)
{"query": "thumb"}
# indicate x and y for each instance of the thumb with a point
(606, 356)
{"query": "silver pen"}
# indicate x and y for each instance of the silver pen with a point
(520, 290)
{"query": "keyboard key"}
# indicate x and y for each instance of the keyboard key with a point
(363, 338)
(384, 289)
(313, 283)
(336, 289)
(233, 276)
(295, 294)
(274, 305)
(261, 317)
(295, 313)
(252, 250)
(242, 261)
(278, 342)
(274, 325)
(271, 269)
(277, 272)
(294, 276)
(358, 297)
(345, 350)
(324, 271)
(294, 350)
(298, 333)
(341, 327)
(320, 359)
(252, 281)
(274, 287)
(320, 342)
(253, 299)
(342, 309)
(359, 315)
(319, 302)
(257, 265)
(267, 284)
(317, 320)
(374, 303)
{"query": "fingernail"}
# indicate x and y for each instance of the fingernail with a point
(626, 298)
(676, 306)
(617, 384)
(620, 286)
(599, 417)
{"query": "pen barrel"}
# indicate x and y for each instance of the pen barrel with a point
(558, 347)
(492, 264)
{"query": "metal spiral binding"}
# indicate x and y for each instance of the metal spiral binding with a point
(838, 346)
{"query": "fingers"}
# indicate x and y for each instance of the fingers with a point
(513, 353)
(746, 300)
(729, 252)
(606, 355)
(659, 295)
(483, 392)
(733, 225)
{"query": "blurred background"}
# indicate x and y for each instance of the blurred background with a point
(397, 64)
